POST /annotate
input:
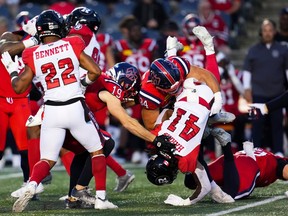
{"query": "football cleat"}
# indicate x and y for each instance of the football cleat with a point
(47, 179)
(83, 195)
(124, 181)
(221, 136)
(203, 35)
(71, 203)
(221, 117)
(18, 193)
(104, 204)
(21, 203)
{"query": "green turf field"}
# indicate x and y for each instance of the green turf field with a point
(141, 198)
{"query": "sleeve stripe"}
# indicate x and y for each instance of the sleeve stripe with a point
(149, 97)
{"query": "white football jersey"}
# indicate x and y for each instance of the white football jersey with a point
(191, 111)
(53, 62)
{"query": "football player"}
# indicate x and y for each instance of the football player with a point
(163, 82)
(186, 125)
(15, 108)
(256, 167)
(139, 51)
(56, 63)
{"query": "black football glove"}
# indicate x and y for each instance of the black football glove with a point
(163, 144)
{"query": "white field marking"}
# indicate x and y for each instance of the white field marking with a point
(19, 174)
(248, 206)
(13, 175)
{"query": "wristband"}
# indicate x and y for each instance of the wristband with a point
(86, 81)
(30, 42)
(13, 75)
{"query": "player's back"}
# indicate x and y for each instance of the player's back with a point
(57, 66)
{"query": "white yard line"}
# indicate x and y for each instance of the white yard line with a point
(20, 174)
(248, 206)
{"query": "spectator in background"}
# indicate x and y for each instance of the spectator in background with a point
(282, 35)
(264, 79)
(3, 25)
(63, 7)
(170, 28)
(231, 89)
(215, 25)
(140, 52)
(229, 7)
(150, 13)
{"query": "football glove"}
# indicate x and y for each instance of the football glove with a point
(172, 46)
(9, 64)
(261, 106)
(30, 26)
(175, 200)
(163, 144)
(217, 104)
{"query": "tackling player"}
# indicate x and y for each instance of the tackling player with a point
(166, 81)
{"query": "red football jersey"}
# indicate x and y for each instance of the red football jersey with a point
(247, 177)
(230, 96)
(104, 40)
(193, 51)
(221, 5)
(141, 57)
(267, 163)
(217, 28)
(103, 82)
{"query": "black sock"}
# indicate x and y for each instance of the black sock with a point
(25, 164)
(76, 168)
(231, 176)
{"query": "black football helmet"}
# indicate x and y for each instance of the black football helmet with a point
(165, 76)
(160, 171)
(50, 23)
(128, 76)
(85, 16)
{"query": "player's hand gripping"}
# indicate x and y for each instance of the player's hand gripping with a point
(172, 46)
(30, 26)
(217, 104)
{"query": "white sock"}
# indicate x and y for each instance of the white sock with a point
(101, 194)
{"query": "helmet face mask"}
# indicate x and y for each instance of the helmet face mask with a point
(160, 171)
(84, 16)
(50, 23)
(128, 76)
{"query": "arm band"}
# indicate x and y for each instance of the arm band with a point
(86, 81)
(13, 75)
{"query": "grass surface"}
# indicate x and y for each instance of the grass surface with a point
(141, 198)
